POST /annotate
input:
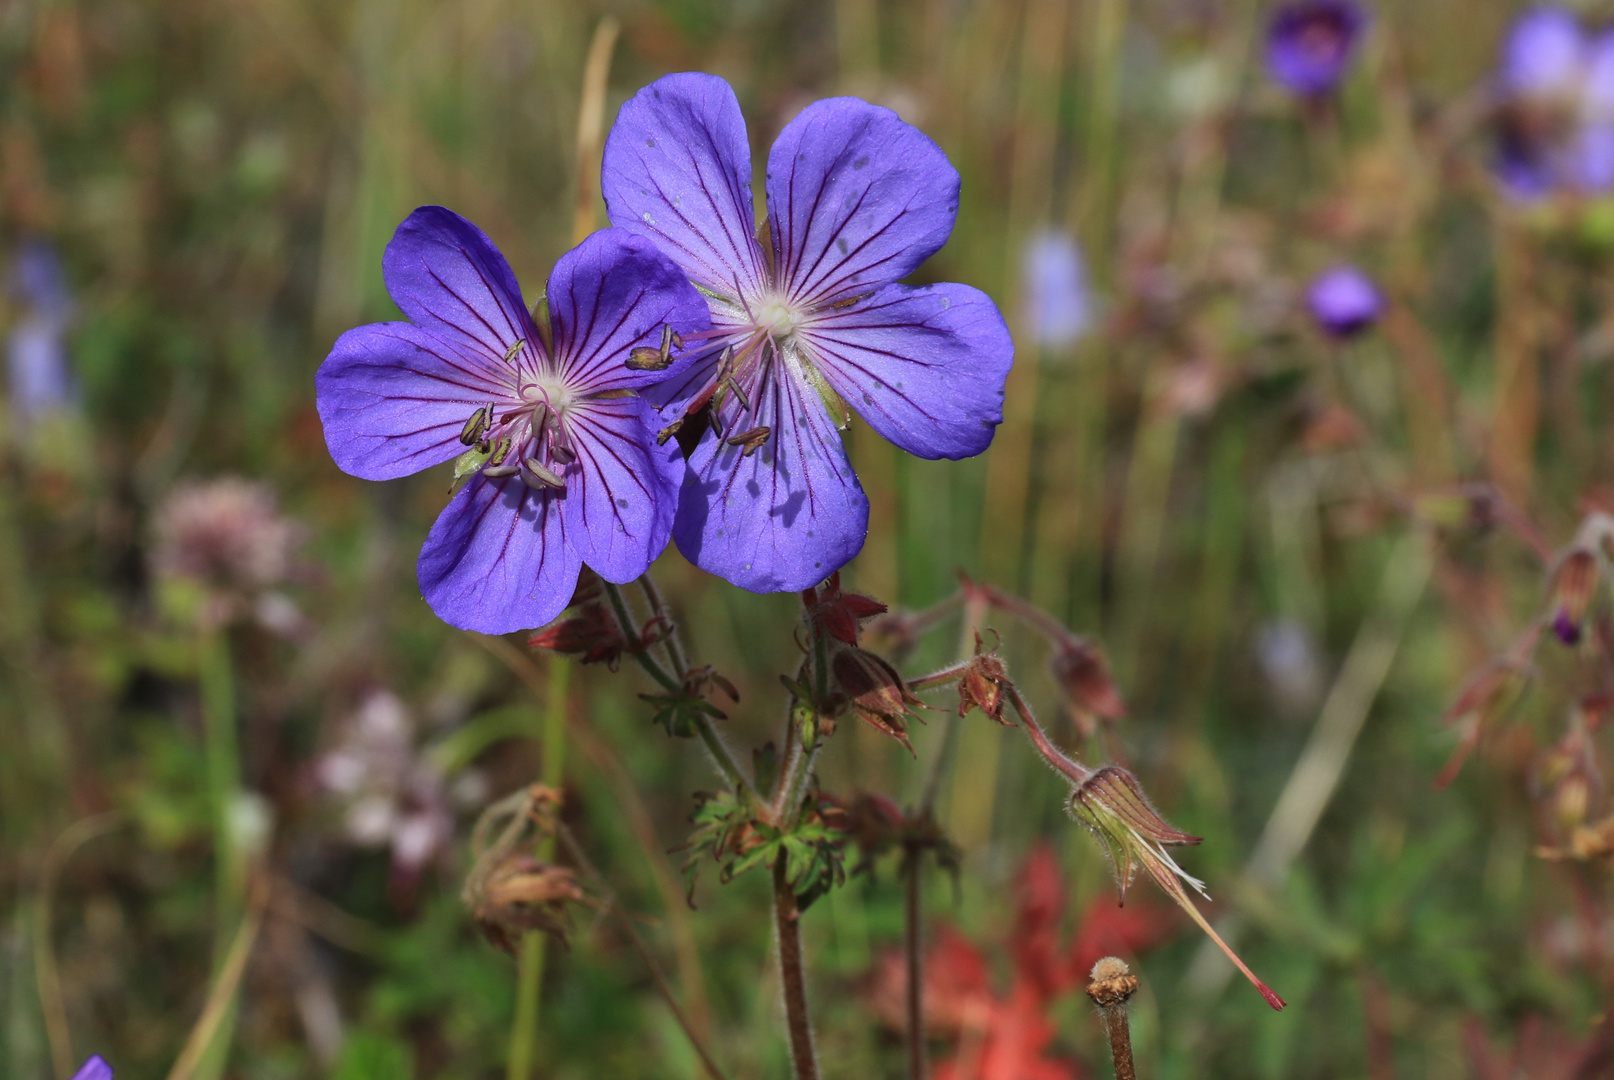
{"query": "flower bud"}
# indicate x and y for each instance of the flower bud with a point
(1574, 583)
(1085, 679)
(875, 692)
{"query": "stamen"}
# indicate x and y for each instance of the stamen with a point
(499, 472)
(645, 358)
(477, 425)
(510, 353)
(535, 476)
(850, 300)
(752, 439)
(501, 450)
(669, 431)
(562, 453)
(745, 402)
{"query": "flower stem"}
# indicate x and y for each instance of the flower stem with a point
(222, 753)
(793, 975)
(913, 943)
(1112, 986)
(530, 962)
(722, 756)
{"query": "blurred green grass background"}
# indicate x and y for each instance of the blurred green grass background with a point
(220, 179)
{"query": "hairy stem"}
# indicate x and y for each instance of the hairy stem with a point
(914, 946)
(1119, 1030)
(793, 976)
(722, 756)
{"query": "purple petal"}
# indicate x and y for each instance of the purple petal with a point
(677, 170)
(447, 277)
(610, 294)
(1542, 54)
(856, 198)
(394, 398)
(94, 1069)
(622, 490)
(784, 518)
(498, 558)
(925, 367)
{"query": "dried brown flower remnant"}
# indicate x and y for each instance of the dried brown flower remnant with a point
(838, 614)
(1585, 842)
(875, 692)
(983, 685)
(1112, 982)
(523, 894)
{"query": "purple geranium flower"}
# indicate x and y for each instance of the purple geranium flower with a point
(1555, 117)
(1310, 44)
(808, 321)
(563, 463)
(94, 1069)
(1058, 306)
(1344, 301)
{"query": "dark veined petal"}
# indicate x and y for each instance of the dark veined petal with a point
(622, 491)
(855, 197)
(786, 517)
(610, 294)
(677, 169)
(498, 559)
(394, 398)
(925, 367)
(447, 277)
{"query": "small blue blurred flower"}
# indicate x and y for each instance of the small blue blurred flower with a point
(1058, 303)
(1311, 43)
(94, 1069)
(1542, 55)
(40, 379)
(1344, 301)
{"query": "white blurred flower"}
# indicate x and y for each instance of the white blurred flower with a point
(1288, 658)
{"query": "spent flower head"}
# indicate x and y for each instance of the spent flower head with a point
(541, 409)
(808, 321)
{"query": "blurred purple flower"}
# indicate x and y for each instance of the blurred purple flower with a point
(94, 1069)
(40, 377)
(567, 470)
(1058, 305)
(1344, 301)
(1555, 116)
(1310, 44)
(808, 321)
(391, 796)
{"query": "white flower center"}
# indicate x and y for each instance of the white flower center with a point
(778, 317)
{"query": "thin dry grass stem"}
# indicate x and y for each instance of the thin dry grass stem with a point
(319, 916)
(221, 997)
(1517, 402)
(1321, 764)
(590, 123)
(614, 907)
(47, 978)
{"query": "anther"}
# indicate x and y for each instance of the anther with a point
(510, 353)
(645, 358)
(563, 453)
(752, 439)
(501, 450)
(535, 476)
(668, 432)
(477, 425)
(499, 472)
(847, 302)
(745, 402)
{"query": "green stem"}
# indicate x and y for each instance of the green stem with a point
(722, 756)
(223, 757)
(530, 962)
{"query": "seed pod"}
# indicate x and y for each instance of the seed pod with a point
(876, 692)
(1574, 585)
